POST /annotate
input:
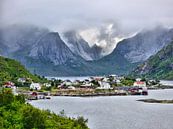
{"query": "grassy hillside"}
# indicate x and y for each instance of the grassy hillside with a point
(11, 70)
(159, 66)
(15, 114)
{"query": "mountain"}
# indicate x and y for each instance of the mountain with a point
(50, 54)
(35, 47)
(42, 52)
(159, 66)
(144, 44)
(12, 70)
(130, 52)
(79, 46)
(51, 48)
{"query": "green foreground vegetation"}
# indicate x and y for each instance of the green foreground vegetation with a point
(15, 114)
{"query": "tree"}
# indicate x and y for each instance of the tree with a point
(33, 118)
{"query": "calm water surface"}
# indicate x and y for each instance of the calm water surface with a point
(116, 112)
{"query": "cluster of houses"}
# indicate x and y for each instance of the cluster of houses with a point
(103, 83)
(32, 86)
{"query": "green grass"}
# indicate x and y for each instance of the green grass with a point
(11, 70)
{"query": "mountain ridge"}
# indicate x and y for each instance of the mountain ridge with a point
(44, 52)
(159, 66)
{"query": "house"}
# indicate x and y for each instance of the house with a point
(33, 96)
(140, 84)
(118, 81)
(113, 75)
(76, 82)
(138, 79)
(47, 84)
(104, 85)
(67, 83)
(87, 85)
(22, 80)
(71, 87)
(35, 86)
(12, 86)
(105, 79)
(9, 85)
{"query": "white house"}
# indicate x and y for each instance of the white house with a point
(47, 84)
(138, 79)
(76, 82)
(67, 83)
(22, 80)
(105, 79)
(118, 81)
(104, 85)
(35, 86)
(71, 87)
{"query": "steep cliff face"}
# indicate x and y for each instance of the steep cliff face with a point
(79, 46)
(51, 48)
(158, 66)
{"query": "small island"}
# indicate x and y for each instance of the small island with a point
(156, 101)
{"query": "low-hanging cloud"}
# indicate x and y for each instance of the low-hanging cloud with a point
(103, 22)
(73, 14)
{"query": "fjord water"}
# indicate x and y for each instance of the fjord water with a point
(116, 112)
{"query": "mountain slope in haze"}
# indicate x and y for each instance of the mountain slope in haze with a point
(130, 52)
(17, 37)
(159, 66)
(79, 46)
(144, 44)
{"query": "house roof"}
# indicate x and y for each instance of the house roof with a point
(140, 82)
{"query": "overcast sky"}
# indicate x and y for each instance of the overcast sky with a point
(100, 22)
(129, 15)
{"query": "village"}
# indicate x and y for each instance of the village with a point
(111, 85)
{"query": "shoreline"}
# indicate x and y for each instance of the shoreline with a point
(156, 101)
(45, 95)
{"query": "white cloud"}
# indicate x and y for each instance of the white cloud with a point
(98, 21)
(63, 14)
